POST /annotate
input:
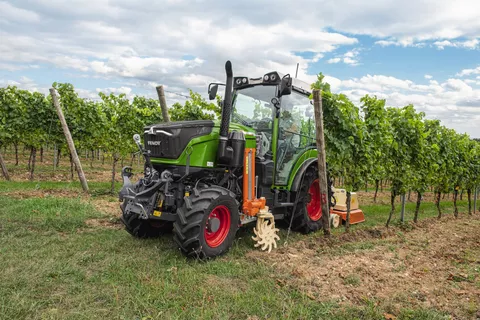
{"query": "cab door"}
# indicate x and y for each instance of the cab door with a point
(295, 134)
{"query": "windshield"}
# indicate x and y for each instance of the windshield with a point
(253, 104)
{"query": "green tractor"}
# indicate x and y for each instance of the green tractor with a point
(205, 179)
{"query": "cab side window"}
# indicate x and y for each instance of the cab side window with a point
(296, 133)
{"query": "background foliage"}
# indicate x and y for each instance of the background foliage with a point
(365, 144)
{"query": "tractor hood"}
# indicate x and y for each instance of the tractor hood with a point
(169, 140)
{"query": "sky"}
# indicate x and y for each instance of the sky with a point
(420, 52)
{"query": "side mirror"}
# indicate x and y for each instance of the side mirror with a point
(286, 85)
(212, 91)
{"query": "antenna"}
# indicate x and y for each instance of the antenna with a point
(296, 73)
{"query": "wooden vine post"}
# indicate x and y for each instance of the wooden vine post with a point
(68, 136)
(4, 168)
(163, 103)
(322, 161)
(402, 212)
(475, 195)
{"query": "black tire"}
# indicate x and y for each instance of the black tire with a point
(141, 228)
(193, 220)
(302, 221)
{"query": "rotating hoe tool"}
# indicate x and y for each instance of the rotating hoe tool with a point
(205, 179)
(265, 231)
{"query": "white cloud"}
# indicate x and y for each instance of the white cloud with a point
(454, 102)
(427, 76)
(17, 67)
(467, 44)
(125, 90)
(457, 85)
(9, 12)
(185, 44)
(442, 44)
(403, 42)
(350, 61)
(471, 44)
(386, 43)
(377, 83)
(24, 83)
(334, 60)
(467, 72)
(317, 57)
(473, 82)
(350, 57)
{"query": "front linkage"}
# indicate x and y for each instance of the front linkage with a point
(142, 203)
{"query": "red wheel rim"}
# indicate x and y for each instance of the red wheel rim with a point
(314, 207)
(216, 238)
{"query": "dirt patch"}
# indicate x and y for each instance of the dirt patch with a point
(366, 198)
(436, 265)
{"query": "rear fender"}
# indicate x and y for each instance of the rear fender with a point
(300, 172)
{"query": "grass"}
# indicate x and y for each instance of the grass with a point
(55, 266)
(352, 279)
(95, 187)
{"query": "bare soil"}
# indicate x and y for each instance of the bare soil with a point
(366, 198)
(435, 265)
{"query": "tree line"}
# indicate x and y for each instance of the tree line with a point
(372, 143)
(366, 144)
(29, 120)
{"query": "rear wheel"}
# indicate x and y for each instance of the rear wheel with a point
(207, 222)
(307, 216)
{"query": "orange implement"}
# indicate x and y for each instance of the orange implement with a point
(251, 205)
(356, 216)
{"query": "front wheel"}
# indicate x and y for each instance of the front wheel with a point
(207, 222)
(307, 216)
(141, 228)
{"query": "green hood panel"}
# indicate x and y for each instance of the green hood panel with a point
(203, 149)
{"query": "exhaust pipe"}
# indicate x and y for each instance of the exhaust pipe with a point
(227, 102)
(225, 152)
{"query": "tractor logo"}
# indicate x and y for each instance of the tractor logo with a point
(154, 143)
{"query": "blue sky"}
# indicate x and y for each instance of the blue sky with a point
(422, 52)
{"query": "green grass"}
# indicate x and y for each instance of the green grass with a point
(54, 266)
(95, 187)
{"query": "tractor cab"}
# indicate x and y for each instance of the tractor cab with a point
(280, 110)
